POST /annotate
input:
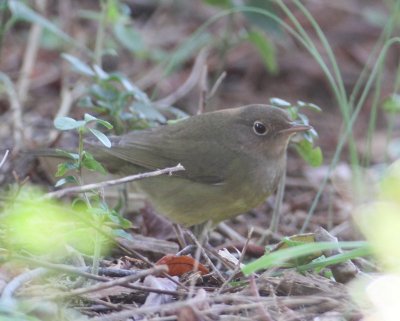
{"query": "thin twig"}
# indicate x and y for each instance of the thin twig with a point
(84, 272)
(126, 179)
(214, 88)
(229, 232)
(179, 235)
(203, 252)
(203, 90)
(19, 281)
(121, 281)
(238, 303)
(4, 158)
(241, 258)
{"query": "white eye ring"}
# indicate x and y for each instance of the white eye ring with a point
(259, 128)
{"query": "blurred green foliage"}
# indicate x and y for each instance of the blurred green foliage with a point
(33, 224)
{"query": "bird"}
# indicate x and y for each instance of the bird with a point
(233, 159)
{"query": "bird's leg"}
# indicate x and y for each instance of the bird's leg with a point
(200, 231)
(179, 235)
(202, 243)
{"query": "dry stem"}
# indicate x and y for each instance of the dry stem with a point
(126, 179)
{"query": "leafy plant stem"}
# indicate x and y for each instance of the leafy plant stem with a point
(80, 153)
(224, 46)
(335, 81)
(343, 138)
(392, 120)
(279, 257)
(97, 242)
(388, 30)
(384, 36)
(373, 115)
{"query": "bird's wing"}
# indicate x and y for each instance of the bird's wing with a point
(159, 148)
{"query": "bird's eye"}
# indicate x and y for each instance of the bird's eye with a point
(259, 128)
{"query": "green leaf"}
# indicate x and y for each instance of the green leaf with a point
(103, 75)
(148, 112)
(265, 49)
(101, 137)
(90, 163)
(112, 11)
(66, 154)
(279, 102)
(65, 180)
(124, 223)
(310, 135)
(104, 92)
(78, 65)
(312, 106)
(279, 257)
(67, 123)
(105, 123)
(86, 102)
(63, 168)
(21, 11)
(336, 259)
(51, 41)
(304, 119)
(313, 156)
(89, 118)
(392, 104)
(139, 94)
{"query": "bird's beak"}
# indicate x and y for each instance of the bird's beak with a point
(295, 128)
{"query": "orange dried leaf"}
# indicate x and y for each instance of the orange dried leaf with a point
(179, 265)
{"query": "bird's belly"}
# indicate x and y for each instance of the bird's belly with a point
(190, 203)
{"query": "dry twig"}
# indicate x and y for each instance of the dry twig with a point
(126, 179)
(19, 281)
(238, 266)
(121, 281)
